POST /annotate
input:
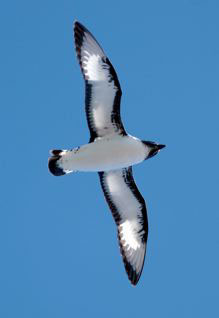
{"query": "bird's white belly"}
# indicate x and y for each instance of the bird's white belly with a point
(105, 154)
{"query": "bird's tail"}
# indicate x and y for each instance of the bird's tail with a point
(57, 165)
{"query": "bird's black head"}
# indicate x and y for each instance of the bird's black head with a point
(153, 148)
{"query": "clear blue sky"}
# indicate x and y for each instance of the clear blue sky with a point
(59, 255)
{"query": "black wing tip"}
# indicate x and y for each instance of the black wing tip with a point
(53, 166)
(133, 276)
(79, 31)
(79, 25)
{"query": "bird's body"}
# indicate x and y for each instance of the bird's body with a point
(111, 151)
(104, 154)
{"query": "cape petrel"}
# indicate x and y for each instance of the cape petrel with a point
(111, 151)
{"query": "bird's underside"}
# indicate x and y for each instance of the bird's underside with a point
(111, 151)
(101, 155)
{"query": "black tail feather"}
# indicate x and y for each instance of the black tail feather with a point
(53, 165)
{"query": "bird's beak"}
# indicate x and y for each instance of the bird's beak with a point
(160, 147)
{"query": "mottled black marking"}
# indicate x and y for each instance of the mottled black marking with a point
(143, 219)
(115, 116)
(109, 200)
(88, 98)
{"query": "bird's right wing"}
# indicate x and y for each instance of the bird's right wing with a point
(129, 212)
(102, 88)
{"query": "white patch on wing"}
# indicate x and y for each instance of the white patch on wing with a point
(127, 230)
(91, 59)
(93, 68)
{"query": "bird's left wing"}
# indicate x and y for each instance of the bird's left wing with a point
(102, 88)
(129, 212)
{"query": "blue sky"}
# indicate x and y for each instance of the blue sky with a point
(58, 245)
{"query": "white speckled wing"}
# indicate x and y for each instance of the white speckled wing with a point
(129, 211)
(102, 88)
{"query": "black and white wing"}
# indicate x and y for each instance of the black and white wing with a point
(102, 88)
(129, 212)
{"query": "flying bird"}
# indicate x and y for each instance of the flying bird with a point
(111, 151)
